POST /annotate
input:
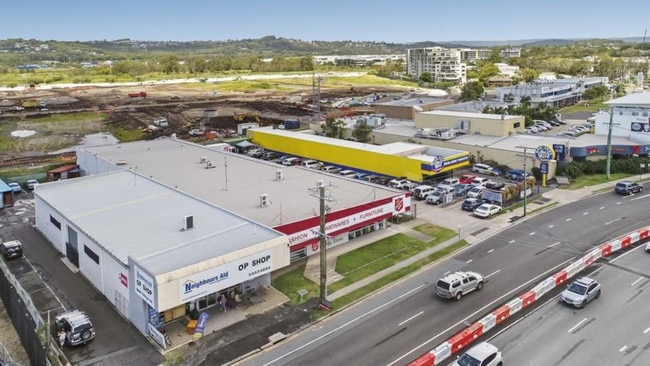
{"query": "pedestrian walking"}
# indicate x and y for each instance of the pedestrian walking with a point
(223, 301)
(61, 336)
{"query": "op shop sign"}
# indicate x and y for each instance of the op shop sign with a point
(230, 274)
(544, 152)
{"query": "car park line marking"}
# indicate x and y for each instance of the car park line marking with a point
(602, 208)
(622, 349)
(550, 226)
(554, 244)
(569, 219)
(411, 318)
(613, 221)
(585, 213)
(479, 311)
(637, 281)
(347, 324)
(646, 331)
(491, 250)
(638, 198)
(533, 233)
(493, 273)
(469, 261)
(618, 203)
(511, 241)
(577, 325)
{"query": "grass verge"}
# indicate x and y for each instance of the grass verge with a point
(595, 179)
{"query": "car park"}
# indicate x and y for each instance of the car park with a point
(516, 174)
(15, 187)
(11, 249)
(331, 169)
(580, 292)
(77, 326)
(486, 169)
(487, 210)
(482, 354)
(312, 164)
(456, 285)
(470, 204)
(291, 161)
(347, 173)
(628, 187)
(466, 178)
(475, 192)
(420, 192)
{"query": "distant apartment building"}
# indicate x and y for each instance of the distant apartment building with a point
(444, 65)
(355, 60)
(507, 70)
(556, 93)
(470, 56)
(510, 52)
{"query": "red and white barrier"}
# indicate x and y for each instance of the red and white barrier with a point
(467, 336)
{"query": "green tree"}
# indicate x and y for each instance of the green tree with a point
(362, 132)
(471, 91)
(528, 74)
(426, 77)
(333, 128)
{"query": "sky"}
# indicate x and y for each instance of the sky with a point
(317, 20)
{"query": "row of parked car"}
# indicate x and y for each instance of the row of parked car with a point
(541, 125)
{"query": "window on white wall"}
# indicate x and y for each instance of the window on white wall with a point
(91, 254)
(55, 222)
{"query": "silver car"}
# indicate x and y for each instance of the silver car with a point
(455, 285)
(581, 291)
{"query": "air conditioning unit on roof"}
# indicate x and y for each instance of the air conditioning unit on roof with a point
(209, 165)
(203, 160)
(264, 200)
(279, 174)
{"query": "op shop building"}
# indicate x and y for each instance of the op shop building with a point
(163, 227)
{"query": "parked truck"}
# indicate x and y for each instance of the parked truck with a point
(140, 95)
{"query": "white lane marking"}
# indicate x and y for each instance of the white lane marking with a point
(554, 244)
(622, 349)
(578, 325)
(613, 221)
(479, 311)
(491, 250)
(493, 273)
(646, 331)
(345, 325)
(533, 233)
(602, 208)
(511, 241)
(637, 281)
(550, 226)
(618, 203)
(411, 318)
(638, 198)
(569, 219)
(469, 261)
(446, 273)
(585, 213)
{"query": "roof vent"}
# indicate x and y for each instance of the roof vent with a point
(188, 222)
(203, 160)
(279, 174)
(264, 200)
(209, 165)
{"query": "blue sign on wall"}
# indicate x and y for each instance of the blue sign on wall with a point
(560, 151)
(543, 167)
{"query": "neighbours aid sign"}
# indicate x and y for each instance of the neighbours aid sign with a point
(217, 278)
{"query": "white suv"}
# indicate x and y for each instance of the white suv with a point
(457, 284)
(483, 354)
(77, 327)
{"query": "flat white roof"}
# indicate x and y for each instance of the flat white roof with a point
(635, 99)
(410, 102)
(469, 115)
(237, 181)
(131, 215)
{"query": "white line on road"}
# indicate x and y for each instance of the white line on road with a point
(491, 250)
(602, 208)
(618, 203)
(646, 331)
(411, 318)
(533, 233)
(469, 261)
(481, 310)
(622, 349)
(638, 198)
(550, 226)
(578, 325)
(345, 325)
(569, 219)
(511, 241)
(554, 244)
(613, 221)
(585, 213)
(637, 281)
(493, 273)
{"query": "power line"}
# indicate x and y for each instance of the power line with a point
(526, 148)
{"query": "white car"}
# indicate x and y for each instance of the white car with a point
(647, 248)
(487, 210)
(483, 354)
(475, 192)
(15, 187)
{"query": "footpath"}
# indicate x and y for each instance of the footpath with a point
(234, 344)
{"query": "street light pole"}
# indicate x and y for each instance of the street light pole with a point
(525, 159)
(609, 143)
(323, 245)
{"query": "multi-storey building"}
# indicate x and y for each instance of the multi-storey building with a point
(510, 52)
(470, 55)
(443, 64)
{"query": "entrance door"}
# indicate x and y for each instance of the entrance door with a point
(71, 250)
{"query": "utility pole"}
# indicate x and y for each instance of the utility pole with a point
(319, 192)
(525, 159)
(609, 143)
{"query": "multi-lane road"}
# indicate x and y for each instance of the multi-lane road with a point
(406, 320)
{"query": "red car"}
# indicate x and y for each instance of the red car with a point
(466, 178)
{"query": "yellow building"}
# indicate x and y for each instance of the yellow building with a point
(471, 123)
(416, 162)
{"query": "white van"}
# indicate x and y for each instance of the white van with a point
(450, 181)
(312, 164)
(421, 192)
(348, 173)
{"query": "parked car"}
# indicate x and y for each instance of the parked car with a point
(516, 174)
(270, 155)
(581, 291)
(470, 204)
(31, 184)
(482, 354)
(486, 169)
(15, 187)
(312, 164)
(409, 186)
(480, 181)
(495, 186)
(291, 161)
(531, 129)
(628, 187)
(647, 248)
(420, 192)
(371, 178)
(11, 249)
(347, 173)
(398, 182)
(456, 285)
(450, 181)
(475, 192)
(436, 197)
(77, 327)
(461, 189)
(331, 169)
(487, 210)
(466, 178)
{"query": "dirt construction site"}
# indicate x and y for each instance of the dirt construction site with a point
(191, 111)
